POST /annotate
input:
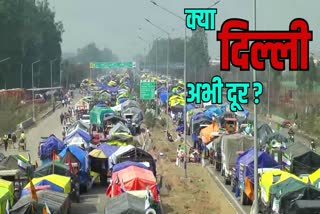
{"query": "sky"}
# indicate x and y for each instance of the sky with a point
(115, 23)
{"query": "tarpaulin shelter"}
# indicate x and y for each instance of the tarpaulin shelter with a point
(206, 133)
(77, 155)
(263, 131)
(50, 145)
(287, 192)
(274, 137)
(97, 115)
(57, 202)
(137, 114)
(129, 104)
(17, 162)
(246, 159)
(5, 196)
(138, 155)
(113, 158)
(119, 128)
(163, 96)
(78, 124)
(4, 187)
(273, 178)
(125, 164)
(80, 132)
(108, 149)
(114, 119)
(213, 111)
(78, 141)
(306, 163)
(57, 183)
(230, 145)
(133, 178)
(195, 125)
(125, 203)
(52, 167)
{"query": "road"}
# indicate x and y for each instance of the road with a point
(227, 188)
(94, 200)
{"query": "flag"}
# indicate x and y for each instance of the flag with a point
(70, 165)
(46, 209)
(7, 207)
(54, 156)
(122, 187)
(147, 199)
(33, 191)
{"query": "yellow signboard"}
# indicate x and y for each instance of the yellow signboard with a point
(91, 65)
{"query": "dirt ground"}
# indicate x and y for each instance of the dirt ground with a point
(198, 194)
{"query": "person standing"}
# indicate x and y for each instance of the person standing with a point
(14, 139)
(63, 102)
(61, 118)
(5, 141)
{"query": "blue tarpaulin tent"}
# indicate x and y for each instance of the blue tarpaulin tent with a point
(52, 143)
(190, 107)
(126, 164)
(85, 135)
(246, 159)
(163, 97)
(78, 153)
(108, 150)
(213, 111)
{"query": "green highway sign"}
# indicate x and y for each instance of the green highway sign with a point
(147, 90)
(105, 65)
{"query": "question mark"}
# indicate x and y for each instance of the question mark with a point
(258, 90)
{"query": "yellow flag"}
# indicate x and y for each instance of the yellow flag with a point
(33, 192)
(45, 210)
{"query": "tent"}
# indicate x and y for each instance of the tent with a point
(213, 111)
(7, 185)
(138, 155)
(57, 183)
(77, 155)
(5, 196)
(125, 203)
(50, 145)
(206, 133)
(263, 131)
(78, 132)
(133, 178)
(306, 163)
(17, 162)
(126, 164)
(114, 119)
(129, 104)
(52, 167)
(137, 114)
(97, 115)
(78, 141)
(273, 178)
(108, 149)
(274, 136)
(113, 158)
(56, 201)
(119, 128)
(246, 160)
(291, 190)
(76, 125)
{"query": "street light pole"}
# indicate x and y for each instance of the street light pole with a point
(256, 146)
(3, 60)
(60, 73)
(51, 62)
(168, 52)
(21, 75)
(33, 112)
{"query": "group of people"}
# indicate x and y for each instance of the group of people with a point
(11, 138)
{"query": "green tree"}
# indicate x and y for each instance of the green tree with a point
(29, 32)
(307, 79)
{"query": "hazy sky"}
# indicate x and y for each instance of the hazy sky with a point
(115, 23)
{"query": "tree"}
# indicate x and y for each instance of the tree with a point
(306, 79)
(29, 32)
